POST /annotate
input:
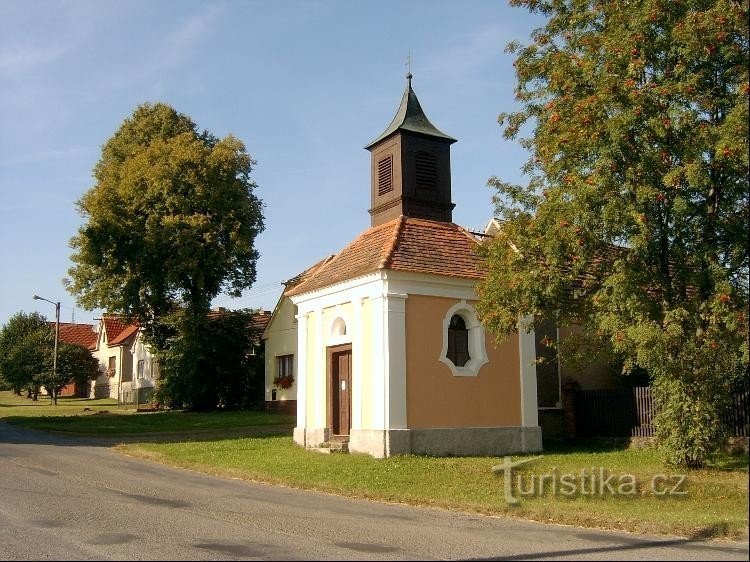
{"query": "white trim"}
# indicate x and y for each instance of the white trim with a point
(330, 296)
(527, 372)
(477, 352)
(340, 317)
(379, 347)
(302, 371)
(394, 325)
(357, 341)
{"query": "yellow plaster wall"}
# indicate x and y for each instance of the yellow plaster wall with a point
(281, 339)
(435, 397)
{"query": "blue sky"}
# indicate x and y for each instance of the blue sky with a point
(304, 84)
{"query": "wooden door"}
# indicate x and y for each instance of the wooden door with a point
(341, 391)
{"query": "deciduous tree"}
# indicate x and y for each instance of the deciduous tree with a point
(634, 222)
(26, 347)
(170, 222)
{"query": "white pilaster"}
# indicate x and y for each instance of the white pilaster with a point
(378, 392)
(395, 343)
(527, 370)
(302, 373)
(357, 346)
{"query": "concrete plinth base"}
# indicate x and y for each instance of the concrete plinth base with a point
(465, 441)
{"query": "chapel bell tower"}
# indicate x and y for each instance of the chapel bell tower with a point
(411, 167)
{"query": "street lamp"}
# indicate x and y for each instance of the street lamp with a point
(57, 338)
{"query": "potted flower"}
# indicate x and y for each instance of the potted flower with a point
(283, 381)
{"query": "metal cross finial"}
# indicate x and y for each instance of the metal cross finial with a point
(408, 66)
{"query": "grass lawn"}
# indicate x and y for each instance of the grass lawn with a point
(715, 503)
(104, 417)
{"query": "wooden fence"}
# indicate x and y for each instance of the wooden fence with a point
(629, 412)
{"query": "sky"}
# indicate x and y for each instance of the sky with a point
(304, 84)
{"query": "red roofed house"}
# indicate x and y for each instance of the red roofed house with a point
(390, 355)
(83, 335)
(113, 348)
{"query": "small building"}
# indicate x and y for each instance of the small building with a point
(391, 356)
(145, 372)
(113, 350)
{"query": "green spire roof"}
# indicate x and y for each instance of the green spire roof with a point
(410, 117)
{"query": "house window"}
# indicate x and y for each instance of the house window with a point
(111, 366)
(141, 371)
(458, 341)
(285, 377)
(286, 365)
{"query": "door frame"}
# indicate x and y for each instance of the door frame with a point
(330, 351)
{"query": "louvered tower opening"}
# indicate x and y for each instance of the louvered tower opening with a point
(425, 171)
(385, 175)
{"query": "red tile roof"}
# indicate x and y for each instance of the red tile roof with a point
(403, 244)
(125, 335)
(77, 334)
(118, 329)
(259, 320)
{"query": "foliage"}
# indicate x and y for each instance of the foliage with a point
(212, 365)
(634, 221)
(171, 221)
(26, 347)
(75, 364)
(283, 381)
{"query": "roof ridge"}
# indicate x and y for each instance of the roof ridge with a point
(468, 234)
(386, 261)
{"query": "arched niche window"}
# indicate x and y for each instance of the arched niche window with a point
(338, 329)
(463, 349)
(458, 341)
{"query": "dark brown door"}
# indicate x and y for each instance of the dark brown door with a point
(341, 391)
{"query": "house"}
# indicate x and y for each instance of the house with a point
(83, 335)
(144, 371)
(113, 349)
(597, 373)
(391, 357)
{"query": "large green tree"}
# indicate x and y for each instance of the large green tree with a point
(26, 346)
(76, 365)
(634, 221)
(171, 221)
(216, 367)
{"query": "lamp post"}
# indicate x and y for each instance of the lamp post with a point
(57, 339)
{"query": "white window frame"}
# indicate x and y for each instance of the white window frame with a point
(477, 351)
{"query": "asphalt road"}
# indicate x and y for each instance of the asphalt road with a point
(68, 499)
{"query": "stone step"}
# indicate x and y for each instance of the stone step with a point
(337, 444)
(339, 447)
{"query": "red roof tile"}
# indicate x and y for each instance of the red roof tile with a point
(124, 335)
(118, 329)
(77, 334)
(403, 244)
